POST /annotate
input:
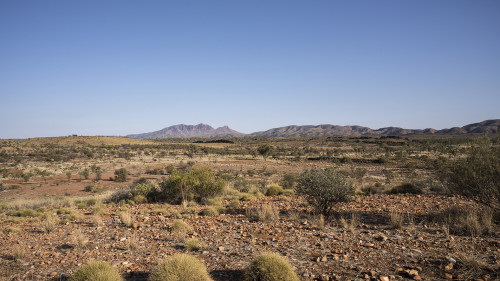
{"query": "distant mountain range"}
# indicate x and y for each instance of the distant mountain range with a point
(206, 131)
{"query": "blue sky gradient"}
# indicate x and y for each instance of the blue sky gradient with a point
(123, 67)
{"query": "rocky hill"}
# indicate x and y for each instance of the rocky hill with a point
(189, 131)
(488, 126)
(206, 131)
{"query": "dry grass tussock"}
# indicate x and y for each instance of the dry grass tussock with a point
(349, 222)
(467, 221)
(19, 252)
(49, 223)
(270, 267)
(126, 218)
(180, 267)
(472, 267)
(96, 270)
(263, 214)
(80, 240)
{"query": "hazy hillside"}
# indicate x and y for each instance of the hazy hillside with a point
(189, 131)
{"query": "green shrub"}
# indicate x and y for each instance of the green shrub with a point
(180, 267)
(96, 270)
(324, 188)
(405, 188)
(241, 184)
(289, 181)
(121, 175)
(270, 267)
(274, 190)
(197, 183)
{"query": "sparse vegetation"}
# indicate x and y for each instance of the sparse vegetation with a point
(61, 222)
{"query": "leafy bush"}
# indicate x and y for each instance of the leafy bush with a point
(241, 184)
(270, 267)
(274, 190)
(324, 188)
(197, 183)
(96, 270)
(405, 188)
(121, 175)
(180, 267)
(477, 176)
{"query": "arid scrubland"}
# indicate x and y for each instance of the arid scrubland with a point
(311, 208)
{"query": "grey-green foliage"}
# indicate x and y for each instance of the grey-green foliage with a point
(324, 188)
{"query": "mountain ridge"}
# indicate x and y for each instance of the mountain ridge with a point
(206, 131)
(188, 131)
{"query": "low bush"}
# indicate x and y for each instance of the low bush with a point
(197, 183)
(180, 267)
(96, 270)
(407, 188)
(324, 188)
(270, 267)
(477, 176)
(121, 175)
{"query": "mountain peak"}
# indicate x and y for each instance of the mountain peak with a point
(188, 131)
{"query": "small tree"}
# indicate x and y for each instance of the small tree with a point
(477, 176)
(121, 175)
(265, 150)
(324, 188)
(85, 173)
(97, 171)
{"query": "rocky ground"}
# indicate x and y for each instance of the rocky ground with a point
(364, 248)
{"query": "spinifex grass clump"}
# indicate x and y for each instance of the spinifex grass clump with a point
(96, 270)
(270, 267)
(180, 267)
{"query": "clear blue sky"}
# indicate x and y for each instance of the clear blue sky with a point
(122, 67)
